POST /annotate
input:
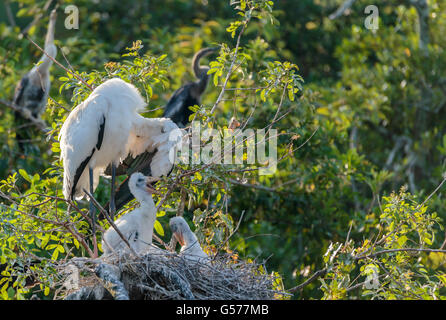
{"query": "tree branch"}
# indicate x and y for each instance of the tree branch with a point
(105, 213)
(39, 123)
(317, 274)
(223, 89)
(342, 9)
(60, 65)
(399, 250)
(9, 14)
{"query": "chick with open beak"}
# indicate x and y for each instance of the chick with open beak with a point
(177, 232)
(135, 226)
(149, 184)
(190, 247)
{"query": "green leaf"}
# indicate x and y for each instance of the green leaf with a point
(198, 176)
(160, 214)
(149, 91)
(55, 254)
(25, 175)
(291, 94)
(216, 79)
(159, 228)
(262, 95)
(76, 243)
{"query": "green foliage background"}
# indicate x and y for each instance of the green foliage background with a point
(368, 124)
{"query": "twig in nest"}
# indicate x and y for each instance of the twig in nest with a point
(164, 275)
(110, 275)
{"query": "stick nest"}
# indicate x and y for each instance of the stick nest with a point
(165, 275)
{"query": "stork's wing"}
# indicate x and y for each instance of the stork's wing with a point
(146, 132)
(81, 134)
(128, 229)
(156, 161)
(20, 89)
(164, 157)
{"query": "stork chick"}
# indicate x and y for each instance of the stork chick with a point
(135, 226)
(31, 93)
(190, 247)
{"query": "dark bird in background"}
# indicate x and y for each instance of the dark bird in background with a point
(31, 92)
(177, 109)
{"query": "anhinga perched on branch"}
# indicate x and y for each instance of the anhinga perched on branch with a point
(189, 95)
(177, 109)
(32, 91)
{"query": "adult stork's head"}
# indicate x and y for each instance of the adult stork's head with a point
(181, 231)
(141, 186)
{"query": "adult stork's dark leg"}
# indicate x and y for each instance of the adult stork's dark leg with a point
(92, 208)
(113, 191)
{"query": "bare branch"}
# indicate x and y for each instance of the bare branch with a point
(105, 213)
(372, 255)
(9, 14)
(60, 65)
(342, 9)
(39, 123)
(223, 89)
(317, 274)
(36, 18)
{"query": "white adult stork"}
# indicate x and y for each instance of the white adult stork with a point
(103, 130)
(177, 109)
(190, 247)
(31, 93)
(135, 226)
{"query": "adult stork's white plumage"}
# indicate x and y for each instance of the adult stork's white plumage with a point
(103, 130)
(190, 247)
(135, 226)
